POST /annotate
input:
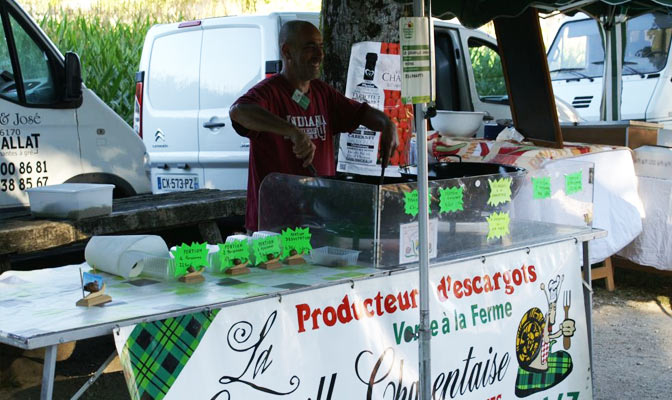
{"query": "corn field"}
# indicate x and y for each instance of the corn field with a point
(108, 35)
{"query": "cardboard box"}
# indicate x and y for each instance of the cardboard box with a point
(654, 161)
(631, 134)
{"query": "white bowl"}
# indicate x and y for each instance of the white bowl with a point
(457, 123)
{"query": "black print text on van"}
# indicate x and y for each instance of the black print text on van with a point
(18, 119)
(18, 142)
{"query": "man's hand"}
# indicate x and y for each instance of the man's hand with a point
(388, 142)
(304, 148)
(568, 327)
(377, 121)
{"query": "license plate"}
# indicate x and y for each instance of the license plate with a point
(176, 183)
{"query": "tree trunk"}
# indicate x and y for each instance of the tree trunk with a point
(344, 22)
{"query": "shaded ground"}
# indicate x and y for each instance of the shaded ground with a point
(632, 349)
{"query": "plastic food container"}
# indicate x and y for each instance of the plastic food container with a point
(334, 256)
(71, 200)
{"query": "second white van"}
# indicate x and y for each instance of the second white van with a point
(52, 128)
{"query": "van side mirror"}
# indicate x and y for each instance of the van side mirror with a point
(73, 77)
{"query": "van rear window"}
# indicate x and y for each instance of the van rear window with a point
(231, 63)
(173, 71)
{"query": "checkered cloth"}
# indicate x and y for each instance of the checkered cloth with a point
(157, 352)
(530, 382)
(544, 352)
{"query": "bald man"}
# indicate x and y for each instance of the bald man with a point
(292, 117)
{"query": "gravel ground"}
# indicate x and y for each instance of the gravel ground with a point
(632, 349)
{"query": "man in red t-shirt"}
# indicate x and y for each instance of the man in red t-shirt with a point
(291, 118)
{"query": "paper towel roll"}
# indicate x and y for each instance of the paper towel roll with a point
(120, 255)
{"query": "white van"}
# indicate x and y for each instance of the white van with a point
(190, 73)
(576, 63)
(52, 128)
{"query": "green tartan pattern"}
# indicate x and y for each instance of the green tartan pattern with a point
(156, 352)
(529, 382)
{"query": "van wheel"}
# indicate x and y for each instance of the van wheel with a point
(121, 187)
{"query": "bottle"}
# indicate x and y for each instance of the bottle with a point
(367, 91)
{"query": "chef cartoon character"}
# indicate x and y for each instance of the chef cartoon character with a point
(539, 367)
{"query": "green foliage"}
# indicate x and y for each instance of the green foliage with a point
(109, 53)
(487, 71)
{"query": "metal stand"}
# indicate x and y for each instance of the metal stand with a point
(588, 304)
(95, 376)
(48, 370)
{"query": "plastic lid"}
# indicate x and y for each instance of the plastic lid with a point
(71, 187)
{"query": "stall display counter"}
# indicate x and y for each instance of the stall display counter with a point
(507, 299)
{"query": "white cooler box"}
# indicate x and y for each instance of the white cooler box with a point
(71, 200)
(653, 161)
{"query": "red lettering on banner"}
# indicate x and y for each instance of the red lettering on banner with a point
(389, 304)
(348, 310)
(506, 280)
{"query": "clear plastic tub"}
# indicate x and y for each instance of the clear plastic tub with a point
(334, 256)
(162, 268)
(71, 200)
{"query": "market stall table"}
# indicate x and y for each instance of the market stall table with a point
(38, 307)
(617, 206)
(653, 247)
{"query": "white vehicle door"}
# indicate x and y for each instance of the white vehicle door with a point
(231, 63)
(171, 111)
(472, 81)
(38, 132)
(486, 77)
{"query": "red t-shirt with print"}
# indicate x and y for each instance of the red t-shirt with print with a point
(328, 113)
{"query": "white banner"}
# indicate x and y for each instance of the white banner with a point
(497, 333)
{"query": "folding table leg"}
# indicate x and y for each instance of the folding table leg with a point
(48, 372)
(94, 377)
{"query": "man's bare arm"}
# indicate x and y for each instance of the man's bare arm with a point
(376, 120)
(257, 118)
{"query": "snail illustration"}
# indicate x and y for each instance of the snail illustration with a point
(535, 330)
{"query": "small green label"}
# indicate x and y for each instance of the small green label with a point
(231, 251)
(295, 239)
(264, 247)
(500, 191)
(301, 99)
(411, 203)
(573, 183)
(498, 225)
(541, 187)
(194, 255)
(451, 199)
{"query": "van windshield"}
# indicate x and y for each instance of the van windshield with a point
(577, 50)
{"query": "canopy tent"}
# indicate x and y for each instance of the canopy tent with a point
(610, 14)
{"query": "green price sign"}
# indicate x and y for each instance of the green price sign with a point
(451, 199)
(194, 255)
(411, 203)
(498, 225)
(541, 187)
(500, 191)
(574, 183)
(231, 251)
(295, 239)
(263, 247)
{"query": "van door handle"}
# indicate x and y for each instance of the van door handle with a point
(213, 125)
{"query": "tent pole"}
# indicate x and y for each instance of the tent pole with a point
(424, 358)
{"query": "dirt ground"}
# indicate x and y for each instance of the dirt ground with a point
(632, 349)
